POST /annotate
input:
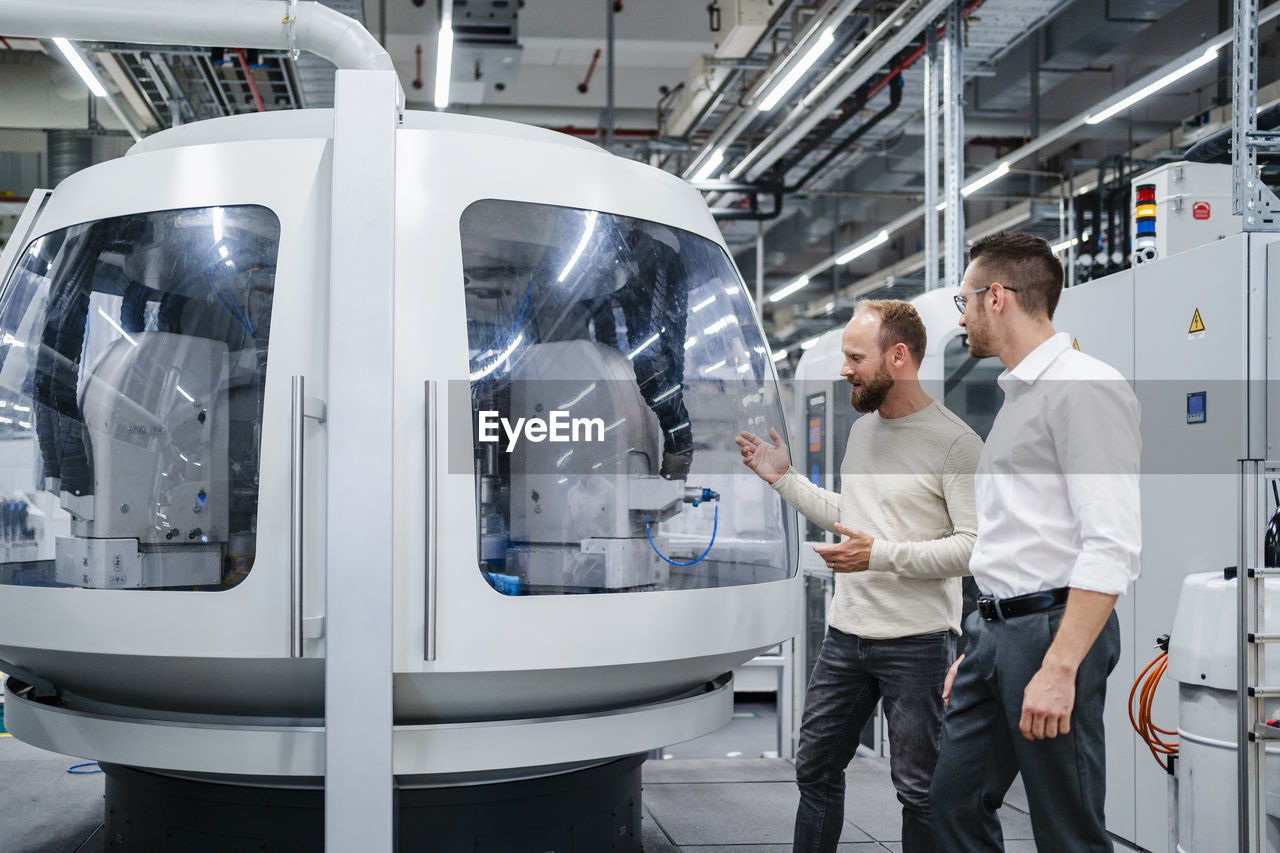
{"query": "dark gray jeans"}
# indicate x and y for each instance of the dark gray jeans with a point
(851, 674)
(983, 749)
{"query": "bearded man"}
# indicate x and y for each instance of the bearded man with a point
(906, 506)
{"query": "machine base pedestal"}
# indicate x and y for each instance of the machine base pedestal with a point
(593, 809)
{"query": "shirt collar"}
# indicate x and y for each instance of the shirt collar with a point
(1036, 362)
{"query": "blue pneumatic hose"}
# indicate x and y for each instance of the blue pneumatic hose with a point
(715, 524)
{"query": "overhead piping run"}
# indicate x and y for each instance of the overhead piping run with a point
(717, 97)
(249, 81)
(806, 115)
(895, 100)
(811, 56)
(307, 26)
(1060, 130)
(781, 77)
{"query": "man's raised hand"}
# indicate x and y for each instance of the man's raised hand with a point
(768, 460)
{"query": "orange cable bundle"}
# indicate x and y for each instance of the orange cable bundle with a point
(1149, 680)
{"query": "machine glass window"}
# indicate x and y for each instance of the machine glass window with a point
(613, 362)
(133, 354)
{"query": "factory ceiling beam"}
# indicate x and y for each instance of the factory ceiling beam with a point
(774, 83)
(809, 112)
(1061, 130)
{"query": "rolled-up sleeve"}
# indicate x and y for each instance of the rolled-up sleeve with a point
(1100, 448)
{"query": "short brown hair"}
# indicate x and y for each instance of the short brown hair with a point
(1026, 264)
(899, 323)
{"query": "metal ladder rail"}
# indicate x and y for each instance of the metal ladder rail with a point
(1253, 733)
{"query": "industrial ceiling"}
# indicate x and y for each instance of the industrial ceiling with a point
(686, 86)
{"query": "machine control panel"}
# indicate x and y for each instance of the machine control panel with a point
(1196, 407)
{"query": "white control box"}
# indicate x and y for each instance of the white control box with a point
(1193, 207)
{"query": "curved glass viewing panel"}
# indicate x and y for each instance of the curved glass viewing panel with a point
(133, 355)
(613, 363)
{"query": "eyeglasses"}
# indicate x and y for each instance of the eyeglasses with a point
(962, 298)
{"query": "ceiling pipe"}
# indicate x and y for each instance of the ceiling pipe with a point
(829, 16)
(1059, 131)
(807, 114)
(307, 26)
(249, 81)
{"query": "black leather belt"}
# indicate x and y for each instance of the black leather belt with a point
(992, 609)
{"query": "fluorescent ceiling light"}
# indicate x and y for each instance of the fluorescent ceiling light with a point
(713, 163)
(635, 352)
(852, 56)
(493, 365)
(783, 293)
(862, 248)
(778, 356)
(582, 244)
(717, 326)
(801, 68)
(1064, 245)
(703, 304)
(810, 343)
(975, 185)
(117, 327)
(1177, 74)
(82, 68)
(444, 58)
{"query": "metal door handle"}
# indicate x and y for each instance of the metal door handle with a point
(430, 392)
(297, 421)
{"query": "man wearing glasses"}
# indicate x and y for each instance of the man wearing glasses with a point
(1058, 542)
(906, 507)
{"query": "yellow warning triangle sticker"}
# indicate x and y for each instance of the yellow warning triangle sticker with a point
(1075, 343)
(1197, 325)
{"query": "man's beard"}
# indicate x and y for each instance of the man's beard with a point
(871, 395)
(979, 346)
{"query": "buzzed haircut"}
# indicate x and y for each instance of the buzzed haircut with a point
(899, 323)
(1026, 264)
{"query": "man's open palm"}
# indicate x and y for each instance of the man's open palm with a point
(769, 461)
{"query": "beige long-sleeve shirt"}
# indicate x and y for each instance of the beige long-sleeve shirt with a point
(908, 482)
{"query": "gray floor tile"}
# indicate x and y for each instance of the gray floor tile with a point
(734, 813)
(1017, 795)
(46, 809)
(870, 802)
(12, 749)
(725, 813)
(652, 838)
(1010, 846)
(718, 770)
(858, 847)
(1015, 824)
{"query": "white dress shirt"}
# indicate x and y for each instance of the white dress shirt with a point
(1057, 482)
